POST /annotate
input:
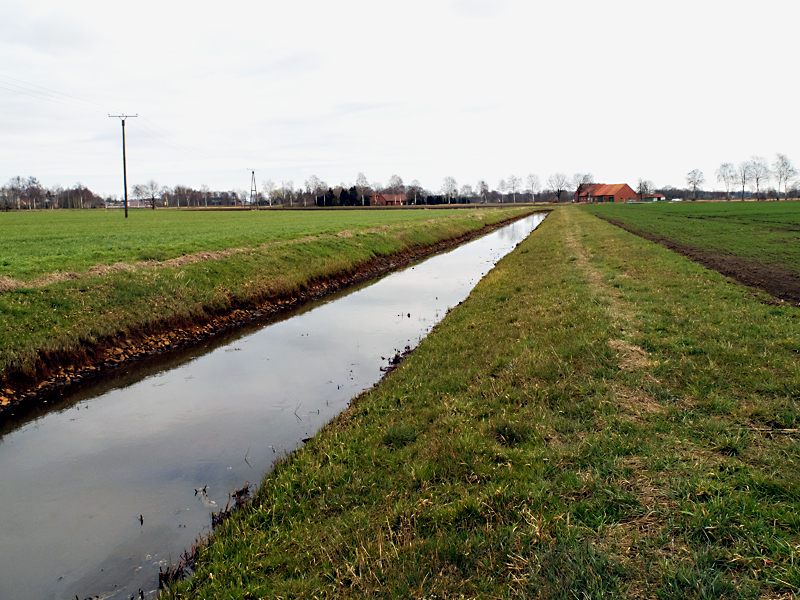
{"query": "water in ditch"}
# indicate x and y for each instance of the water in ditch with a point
(119, 479)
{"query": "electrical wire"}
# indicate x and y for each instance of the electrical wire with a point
(170, 140)
(40, 96)
(56, 97)
(154, 135)
(53, 94)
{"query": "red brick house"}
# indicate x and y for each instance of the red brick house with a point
(387, 199)
(602, 192)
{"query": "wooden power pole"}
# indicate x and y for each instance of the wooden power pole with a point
(124, 169)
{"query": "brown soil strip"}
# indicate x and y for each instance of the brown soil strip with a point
(779, 283)
(56, 372)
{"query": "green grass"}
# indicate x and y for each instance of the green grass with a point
(587, 424)
(56, 320)
(33, 244)
(765, 232)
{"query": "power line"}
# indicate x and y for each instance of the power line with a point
(154, 135)
(34, 94)
(52, 95)
(169, 135)
(57, 97)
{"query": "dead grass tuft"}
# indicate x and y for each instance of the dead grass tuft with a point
(634, 403)
(6, 284)
(633, 357)
(100, 270)
(53, 278)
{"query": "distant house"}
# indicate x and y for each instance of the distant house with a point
(603, 192)
(653, 197)
(131, 204)
(387, 199)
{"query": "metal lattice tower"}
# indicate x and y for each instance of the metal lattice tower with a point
(253, 191)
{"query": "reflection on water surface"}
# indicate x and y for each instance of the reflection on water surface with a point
(96, 496)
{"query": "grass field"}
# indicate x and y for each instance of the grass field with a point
(766, 232)
(601, 418)
(49, 318)
(34, 244)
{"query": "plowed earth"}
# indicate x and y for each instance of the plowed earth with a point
(54, 373)
(782, 284)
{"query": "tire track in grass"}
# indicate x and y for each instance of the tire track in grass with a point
(638, 407)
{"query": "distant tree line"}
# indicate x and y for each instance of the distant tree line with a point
(29, 194)
(749, 179)
(22, 194)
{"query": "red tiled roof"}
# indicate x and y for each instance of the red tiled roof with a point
(601, 189)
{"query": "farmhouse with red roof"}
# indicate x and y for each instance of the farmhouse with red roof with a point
(387, 199)
(602, 192)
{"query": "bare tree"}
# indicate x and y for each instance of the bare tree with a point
(727, 174)
(183, 194)
(644, 187)
(760, 172)
(396, 184)
(695, 179)
(449, 188)
(502, 187)
(482, 189)
(784, 172)
(138, 192)
(362, 185)
(415, 188)
(534, 186)
(58, 195)
(34, 191)
(466, 191)
(743, 173)
(558, 182)
(15, 188)
(287, 191)
(514, 185)
(579, 179)
(153, 190)
(269, 186)
(316, 187)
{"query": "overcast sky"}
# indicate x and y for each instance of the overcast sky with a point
(425, 89)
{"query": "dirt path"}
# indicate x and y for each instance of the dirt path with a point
(779, 283)
(632, 358)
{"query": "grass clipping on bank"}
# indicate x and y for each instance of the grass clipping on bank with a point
(601, 418)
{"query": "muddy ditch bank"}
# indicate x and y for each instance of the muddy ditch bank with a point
(779, 283)
(28, 392)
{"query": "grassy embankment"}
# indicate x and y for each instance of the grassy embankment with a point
(601, 417)
(275, 254)
(765, 232)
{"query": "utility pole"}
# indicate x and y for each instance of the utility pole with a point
(124, 169)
